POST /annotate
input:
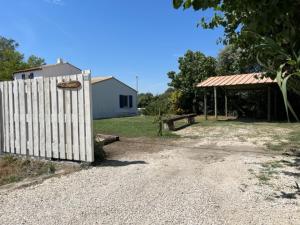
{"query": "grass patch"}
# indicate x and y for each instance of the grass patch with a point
(272, 165)
(14, 169)
(137, 126)
(263, 178)
(293, 139)
(268, 171)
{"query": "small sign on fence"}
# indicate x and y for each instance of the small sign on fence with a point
(69, 84)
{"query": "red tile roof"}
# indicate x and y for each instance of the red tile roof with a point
(232, 80)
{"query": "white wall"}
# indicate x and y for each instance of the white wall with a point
(105, 97)
(52, 70)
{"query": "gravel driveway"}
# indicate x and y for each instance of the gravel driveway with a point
(156, 182)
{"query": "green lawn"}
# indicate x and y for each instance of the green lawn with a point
(137, 126)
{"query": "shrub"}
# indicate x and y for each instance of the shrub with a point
(162, 103)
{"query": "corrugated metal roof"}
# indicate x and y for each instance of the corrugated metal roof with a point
(95, 80)
(232, 80)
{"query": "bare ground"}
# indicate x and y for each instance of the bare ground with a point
(189, 180)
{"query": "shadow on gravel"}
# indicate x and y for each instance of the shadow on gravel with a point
(117, 163)
(295, 162)
(291, 195)
(292, 174)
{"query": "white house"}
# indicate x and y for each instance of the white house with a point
(61, 68)
(111, 97)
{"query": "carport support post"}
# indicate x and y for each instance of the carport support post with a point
(275, 104)
(205, 105)
(226, 109)
(269, 103)
(216, 103)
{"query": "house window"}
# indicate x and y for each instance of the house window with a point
(130, 101)
(31, 76)
(125, 101)
(23, 76)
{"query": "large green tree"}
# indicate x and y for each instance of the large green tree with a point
(12, 60)
(235, 60)
(270, 28)
(194, 67)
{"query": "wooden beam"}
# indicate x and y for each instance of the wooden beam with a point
(205, 105)
(226, 102)
(216, 102)
(275, 104)
(269, 103)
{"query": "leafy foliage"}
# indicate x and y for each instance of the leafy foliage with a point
(144, 99)
(193, 68)
(288, 70)
(161, 104)
(11, 60)
(34, 61)
(235, 60)
(178, 102)
(271, 18)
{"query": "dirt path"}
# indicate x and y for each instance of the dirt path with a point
(147, 181)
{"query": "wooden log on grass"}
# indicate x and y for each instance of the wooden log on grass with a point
(106, 139)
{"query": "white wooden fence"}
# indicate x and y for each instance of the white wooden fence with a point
(38, 119)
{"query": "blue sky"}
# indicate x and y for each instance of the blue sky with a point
(121, 38)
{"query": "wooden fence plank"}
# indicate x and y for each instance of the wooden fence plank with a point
(76, 154)
(1, 119)
(54, 112)
(68, 119)
(81, 111)
(35, 116)
(48, 118)
(88, 117)
(23, 130)
(10, 118)
(29, 117)
(42, 116)
(2, 126)
(17, 116)
(6, 118)
(61, 118)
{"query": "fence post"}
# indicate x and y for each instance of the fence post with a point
(88, 116)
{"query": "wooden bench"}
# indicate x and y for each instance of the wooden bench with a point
(169, 123)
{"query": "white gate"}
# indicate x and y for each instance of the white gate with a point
(37, 118)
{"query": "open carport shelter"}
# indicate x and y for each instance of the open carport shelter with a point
(242, 82)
